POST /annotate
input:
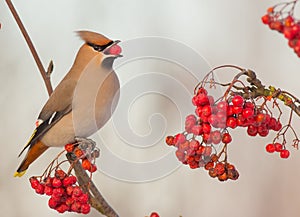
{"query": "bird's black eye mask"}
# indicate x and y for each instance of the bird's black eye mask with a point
(99, 48)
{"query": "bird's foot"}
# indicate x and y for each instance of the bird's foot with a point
(88, 146)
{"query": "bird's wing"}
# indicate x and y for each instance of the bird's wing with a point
(58, 105)
(45, 126)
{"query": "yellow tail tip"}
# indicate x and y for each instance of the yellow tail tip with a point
(19, 174)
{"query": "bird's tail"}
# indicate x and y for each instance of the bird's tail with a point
(34, 151)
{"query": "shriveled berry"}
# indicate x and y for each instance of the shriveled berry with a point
(170, 140)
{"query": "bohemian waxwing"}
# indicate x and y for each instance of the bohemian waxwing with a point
(81, 103)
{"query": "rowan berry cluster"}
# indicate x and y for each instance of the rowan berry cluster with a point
(65, 194)
(208, 129)
(280, 18)
(62, 187)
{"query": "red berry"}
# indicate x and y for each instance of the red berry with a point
(260, 117)
(207, 151)
(115, 50)
(76, 207)
(284, 153)
(86, 164)
(56, 182)
(154, 214)
(179, 138)
(237, 101)
(222, 106)
(69, 147)
(77, 192)
(206, 110)
(247, 112)
(48, 190)
(40, 189)
(180, 155)
(189, 123)
(226, 138)
(194, 144)
(58, 192)
(69, 201)
(78, 152)
(220, 168)
(93, 168)
(70, 180)
(213, 120)
(278, 147)
(69, 190)
(270, 148)
(215, 137)
(60, 174)
(52, 203)
(266, 19)
(277, 126)
(84, 198)
(48, 181)
(231, 122)
(34, 182)
(206, 128)
(252, 130)
(85, 208)
(237, 109)
(197, 130)
(62, 208)
(170, 140)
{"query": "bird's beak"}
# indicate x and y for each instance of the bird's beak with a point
(114, 49)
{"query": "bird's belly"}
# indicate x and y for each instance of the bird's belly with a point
(61, 133)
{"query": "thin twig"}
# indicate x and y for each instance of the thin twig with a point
(31, 47)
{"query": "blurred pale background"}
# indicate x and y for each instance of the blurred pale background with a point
(221, 31)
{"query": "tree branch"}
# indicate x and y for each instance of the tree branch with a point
(45, 75)
(96, 199)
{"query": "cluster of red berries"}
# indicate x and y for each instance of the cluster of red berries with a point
(208, 128)
(286, 25)
(221, 170)
(65, 194)
(83, 156)
(278, 147)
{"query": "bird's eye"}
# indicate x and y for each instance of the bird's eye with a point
(99, 48)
